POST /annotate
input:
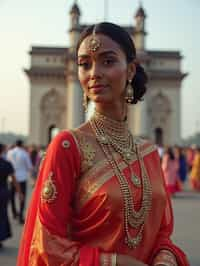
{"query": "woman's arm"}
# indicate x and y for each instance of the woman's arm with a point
(46, 239)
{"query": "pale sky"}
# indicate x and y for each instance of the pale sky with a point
(171, 25)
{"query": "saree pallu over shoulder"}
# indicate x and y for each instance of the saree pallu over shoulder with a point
(45, 238)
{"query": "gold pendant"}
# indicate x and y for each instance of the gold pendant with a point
(128, 156)
(103, 139)
(136, 180)
(133, 242)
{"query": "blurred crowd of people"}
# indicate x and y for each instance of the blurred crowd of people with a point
(181, 167)
(18, 163)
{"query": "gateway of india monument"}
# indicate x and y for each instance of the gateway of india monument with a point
(56, 95)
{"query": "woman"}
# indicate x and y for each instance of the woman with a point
(6, 170)
(170, 166)
(182, 172)
(100, 198)
(195, 172)
(35, 158)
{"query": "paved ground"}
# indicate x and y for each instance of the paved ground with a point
(186, 234)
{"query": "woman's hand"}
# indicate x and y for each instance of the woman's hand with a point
(123, 260)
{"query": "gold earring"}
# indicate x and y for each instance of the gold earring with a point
(129, 92)
(85, 102)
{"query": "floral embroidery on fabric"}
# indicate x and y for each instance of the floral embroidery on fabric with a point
(88, 153)
(49, 190)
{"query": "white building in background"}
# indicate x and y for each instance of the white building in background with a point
(56, 96)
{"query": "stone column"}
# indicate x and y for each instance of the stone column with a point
(75, 110)
(143, 119)
(137, 119)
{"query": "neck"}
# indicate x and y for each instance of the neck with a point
(116, 112)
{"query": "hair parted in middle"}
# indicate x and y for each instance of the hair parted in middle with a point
(123, 39)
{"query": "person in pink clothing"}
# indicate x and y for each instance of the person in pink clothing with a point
(170, 168)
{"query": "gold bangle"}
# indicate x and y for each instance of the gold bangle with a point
(165, 258)
(163, 264)
(114, 259)
(167, 252)
(107, 259)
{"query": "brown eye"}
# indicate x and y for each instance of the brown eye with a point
(84, 65)
(108, 61)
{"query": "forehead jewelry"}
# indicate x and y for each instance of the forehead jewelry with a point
(94, 42)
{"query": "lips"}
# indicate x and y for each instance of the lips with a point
(97, 88)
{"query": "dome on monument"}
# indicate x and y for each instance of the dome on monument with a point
(140, 12)
(75, 9)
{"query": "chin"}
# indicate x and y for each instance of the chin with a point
(102, 99)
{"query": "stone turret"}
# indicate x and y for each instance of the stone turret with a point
(140, 33)
(75, 111)
(74, 30)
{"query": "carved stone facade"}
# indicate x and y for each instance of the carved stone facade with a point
(56, 96)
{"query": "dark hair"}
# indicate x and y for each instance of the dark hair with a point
(171, 154)
(19, 142)
(2, 148)
(120, 36)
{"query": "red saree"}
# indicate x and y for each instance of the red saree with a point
(76, 212)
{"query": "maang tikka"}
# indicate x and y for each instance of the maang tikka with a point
(129, 92)
(94, 42)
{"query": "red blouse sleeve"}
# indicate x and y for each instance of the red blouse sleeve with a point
(45, 239)
(166, 229)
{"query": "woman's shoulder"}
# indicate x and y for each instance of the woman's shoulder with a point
(62, 150)
(64, 141)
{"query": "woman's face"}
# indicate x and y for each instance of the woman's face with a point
(103, 73)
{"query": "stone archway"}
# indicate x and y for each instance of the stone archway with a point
(158, 133)
(51, 115)
(159, 111)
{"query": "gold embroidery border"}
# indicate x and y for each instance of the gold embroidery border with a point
(86, 163)
(92, 183)
(73, 133)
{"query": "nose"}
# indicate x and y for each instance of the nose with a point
(96, 71)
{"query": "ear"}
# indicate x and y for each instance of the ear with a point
(131, 70)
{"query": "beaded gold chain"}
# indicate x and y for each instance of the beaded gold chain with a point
(118, 135)
(132, 218)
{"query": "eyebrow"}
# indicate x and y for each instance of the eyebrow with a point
(104, 53)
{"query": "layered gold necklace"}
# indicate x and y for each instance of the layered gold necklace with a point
(115, 136)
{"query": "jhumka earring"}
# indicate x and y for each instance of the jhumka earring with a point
(94, 42)
(85, 102)
(129, 92)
